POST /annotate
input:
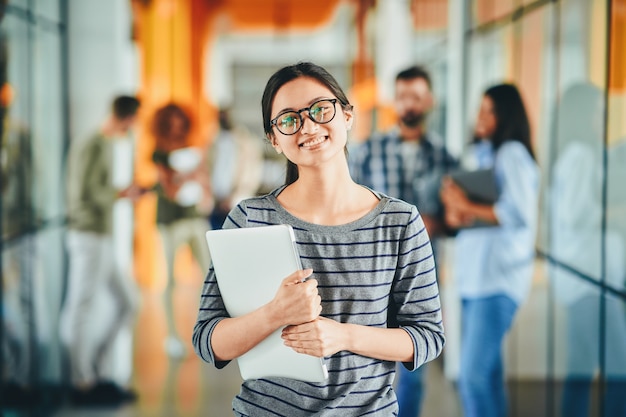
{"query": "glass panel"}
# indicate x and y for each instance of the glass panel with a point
(576, 166)
(533, 68)
(615, 357)
(17, 189)
(616, 135)
(489, 57)
(27, 336)
(47, 8)
(616, 210)
(578, 332)
(19, 352)
(542, 100)
(48, 272)
(488, 10)
(32, 299)
(23, 4)
(32, 158)
(530, 67)
(570, 68)
(577, 353)
(583, 251)
(47, 124)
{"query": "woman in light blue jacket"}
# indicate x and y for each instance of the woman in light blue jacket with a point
(494, 262)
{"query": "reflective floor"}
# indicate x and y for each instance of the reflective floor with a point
(189, 387)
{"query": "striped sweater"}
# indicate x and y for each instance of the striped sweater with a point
(376, 271)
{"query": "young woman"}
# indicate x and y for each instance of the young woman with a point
(494, 264)
(370, 298)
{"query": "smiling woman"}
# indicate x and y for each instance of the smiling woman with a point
(369, 297)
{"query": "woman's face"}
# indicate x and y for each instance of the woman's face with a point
(314, 143)
(486, 122)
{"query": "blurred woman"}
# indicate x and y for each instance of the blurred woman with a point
(183, 200)
(493, 263)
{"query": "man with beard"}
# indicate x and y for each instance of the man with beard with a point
(408, 163)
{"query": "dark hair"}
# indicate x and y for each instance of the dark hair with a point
(125, 106)
(414, 72)
(282, 77)
(511, 118)
(162, 123)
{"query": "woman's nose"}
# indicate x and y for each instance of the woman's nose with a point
(308, 125)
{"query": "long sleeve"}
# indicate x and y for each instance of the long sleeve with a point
(415, 293)
(91, 193)
(518, 175)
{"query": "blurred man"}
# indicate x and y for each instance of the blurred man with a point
(88, 330)
(408, 163)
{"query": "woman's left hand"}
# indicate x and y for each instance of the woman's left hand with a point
(320, 337)
(452, 195)
(456, 203)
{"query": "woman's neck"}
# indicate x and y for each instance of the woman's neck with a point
(322, 185)
(327, 197)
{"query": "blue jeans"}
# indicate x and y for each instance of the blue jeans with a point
(410, 391)
(485, 322)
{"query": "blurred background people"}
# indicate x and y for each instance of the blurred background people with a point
(576, 207)
(408, 163)
(90, 330)
(236, 165)
(493, 265)
(183, 203)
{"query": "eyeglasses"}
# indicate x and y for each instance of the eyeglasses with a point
(290, 122)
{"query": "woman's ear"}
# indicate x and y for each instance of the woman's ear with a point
(272, 140)
(349, 118)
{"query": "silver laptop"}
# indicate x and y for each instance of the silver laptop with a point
(250, 264)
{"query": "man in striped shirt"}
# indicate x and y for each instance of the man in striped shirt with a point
(408, 163)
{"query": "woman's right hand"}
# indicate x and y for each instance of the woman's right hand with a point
(297, 301)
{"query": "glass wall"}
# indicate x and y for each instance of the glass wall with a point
(33, 143)
(566, 355)
(557, 53)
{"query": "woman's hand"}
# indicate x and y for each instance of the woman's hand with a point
(460, 211)
(457, 205)
(297, 301)
(452, 195)
(320, 337)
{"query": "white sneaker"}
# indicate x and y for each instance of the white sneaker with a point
(175, 348)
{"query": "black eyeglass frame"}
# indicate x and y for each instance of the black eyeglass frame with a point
(274, 121)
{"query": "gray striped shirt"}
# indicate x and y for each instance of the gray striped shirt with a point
(376, 271)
